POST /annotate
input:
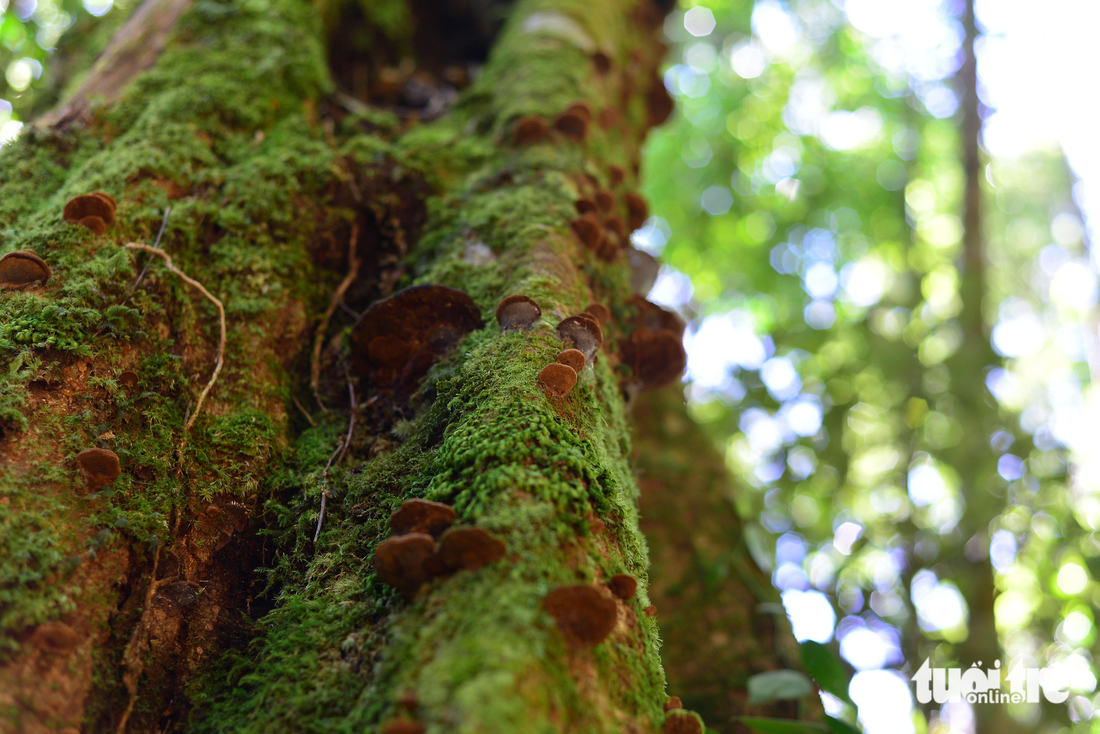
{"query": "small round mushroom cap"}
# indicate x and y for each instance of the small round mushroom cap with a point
(587, 230)
(422, 516)
(583, 332)
(584, 205)
(656, 318)
(644, 269)
(650, 611)
(584, 615)
(100, 467)
(598, 311)
(56, 637)
(682, 722)
(637, 210)
(573, 358)
(529, 130)
(602, 62)
(518, 312)
(558, 379)
(606, 201)
(581, 110)
(399, 561)
(21, 268)
(572, 124)
(623, 585)
(94, 223)
(673, 703)
(107, 198)
(128, 378)
(402, 726)
(96, 204)
(468, 548)
(616, 174)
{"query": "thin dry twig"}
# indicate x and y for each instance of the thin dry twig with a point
(341, 449)
(305, 412)
(337, 299)
(221, 318)
(132, 657)
(160, 233)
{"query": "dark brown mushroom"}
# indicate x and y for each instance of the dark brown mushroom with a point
(655, 318)
(422, 516)
(673, 703)
(602, 62)
(468, 548)
(581, 110)
(571, 358)
(650, 611)
(658, 102)
(558, 379)
(614, 224)
(100, 467)
(587, 230)
(21, 268)
(518, 312)
(128, 378)
(584, 615)
(606, 201)
(623, 586)
(598, 311)
(212, 511)
(584, 205)
(408, 700)
(637, 210)
(644, 269)
(529, 130)
(96, 204)
(573, 122)
(402, 726)
(583, 332)
(616, 174)
(682, 722)
(657, 358)
(399, 561)
(55, 637)
(398, 338)
(96, 224)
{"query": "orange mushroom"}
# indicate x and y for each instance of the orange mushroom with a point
(100, 467)
(584, 615)
(422, 516)
(20, 268)
(558, 379)
(529, 130)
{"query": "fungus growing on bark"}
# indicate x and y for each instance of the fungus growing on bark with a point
(422, 516)
(573, 122)
(673, 703)
(97, 225)
(587, 230)
(212, 511)
(128, 378)
(598, 311)
(637, 210)
(682, 722)
(398, 338)
(657, 358)
(55, 637)
(583, 332)
(100, 467)
(616, 174)
(623, 586)
(655, 318)
(518, 312)
(650, 611)
(402, 726)
(614, 224)
(96, 211)
(573, 358)
(558, 379)
(584, 615)
(468, 548)
(399, 561)
(584, 205)
(644, 269)
(658, 102)
(606, 201)
(21, 268)
(602, 62)
(529, 130)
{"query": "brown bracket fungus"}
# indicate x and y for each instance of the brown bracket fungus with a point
(650, 611)
(100, 467)
(530, 130)
(583, 332)
(573, 358)
(605, 200)
(598, 311)
(658, 359)
(128, 378)
(518, 312)
(587, 230)
(21, 268)
(658, 102)
(644, 269)
(468, 548)
(398, 338)
(402, 726)
(616, 174)
(55, 637)
(422, 516)
(573, 122)
(653, 317)
(636, 209)
(558, 379)
(682, 722)
(673, 703)
(584, 205)
(96, 211)
(399, 561)
(602, 62)
(584, 615)
(623, 586)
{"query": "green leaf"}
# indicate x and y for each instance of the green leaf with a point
(840, 727)
(777, 685)
(826, 669)
(781, 726)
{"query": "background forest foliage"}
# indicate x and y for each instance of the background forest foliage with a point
(909, 431)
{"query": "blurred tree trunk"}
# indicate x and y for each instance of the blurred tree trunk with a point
(190, 594)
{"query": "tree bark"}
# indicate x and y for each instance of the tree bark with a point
(135, 606)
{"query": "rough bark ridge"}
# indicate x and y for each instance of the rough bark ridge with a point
(135, 605)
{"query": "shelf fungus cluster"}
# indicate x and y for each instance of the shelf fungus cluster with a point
(572, 124)
(583, 614)
(21, 268)
(654, 351)
(399, 338)
(96, 211)
(583, 337)
(99, 466)
(426, 544)
(600, 227)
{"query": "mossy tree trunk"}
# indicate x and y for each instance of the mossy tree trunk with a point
(189, 594)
